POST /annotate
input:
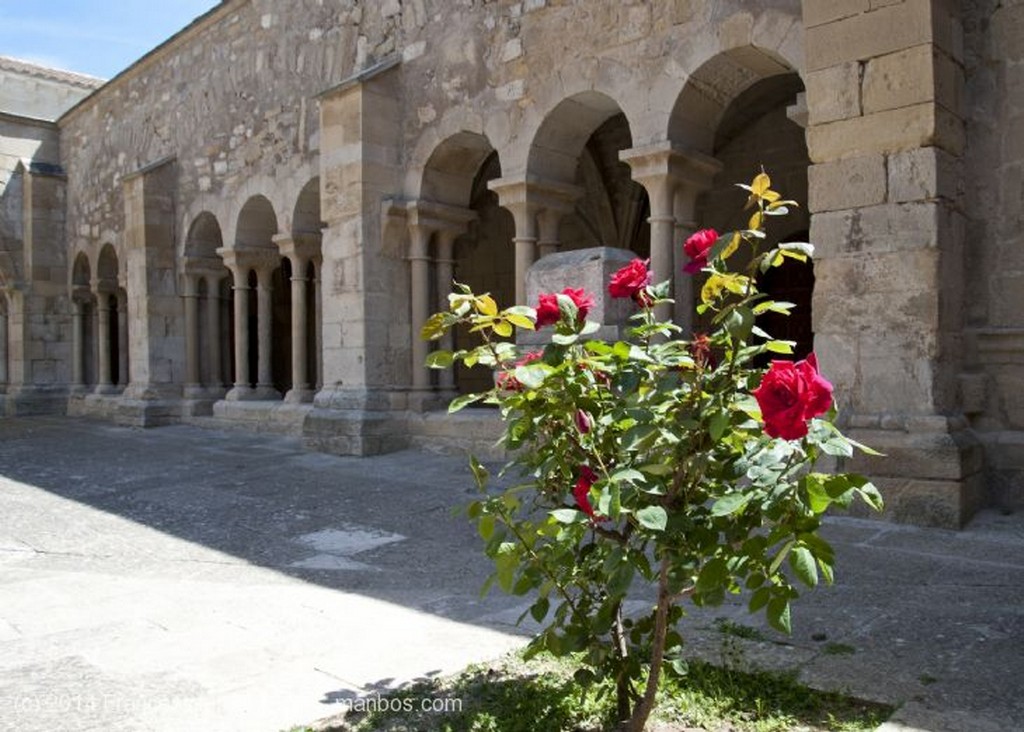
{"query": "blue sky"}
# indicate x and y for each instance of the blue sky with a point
(96, 37)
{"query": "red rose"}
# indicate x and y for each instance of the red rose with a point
(790, 394)
(697, 248)
(507, 380)
(547, 310)
(631, 280)
(547, 305)
(582, 490)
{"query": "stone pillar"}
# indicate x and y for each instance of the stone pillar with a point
(684, 208)
(663, 170)
(242, 388)
(264, 314)
(419, 295)
(212, 378)
(514, 196)
(3, 350)
(104, 382)
(300, 391)
(885, 137)
(191, 297)
(122, 339)
(77, 350)
(445, 276)
(547, 226)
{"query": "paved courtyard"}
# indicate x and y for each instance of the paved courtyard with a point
(182, 579)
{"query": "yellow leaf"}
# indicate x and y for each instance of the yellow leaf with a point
(760, 184)
(756, 221)
(503, 328)
(718, 283)
(486, 305)
(732, 246)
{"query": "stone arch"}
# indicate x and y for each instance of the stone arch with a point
(256, 224)
(556, 146)
(452, 168)
(306, 213)
(110, 320)
(204, 236)
(83, 317)
(297, 314)
(713, 86)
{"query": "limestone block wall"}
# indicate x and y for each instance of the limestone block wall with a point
(992, 387)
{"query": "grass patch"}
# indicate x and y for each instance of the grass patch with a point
(511, 695)
(738, 630)
(838, 649)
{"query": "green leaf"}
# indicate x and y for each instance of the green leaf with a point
(439, 359)
(778, 614)
(657, 469)
(759, 599)
(780, 346)
(871, 496)
(713, 574)
(718, 424)
(626, 474)
(566, 515)
(506, 561)
(802, 562)
(652, 517)
(739, 323)
(520, 321)
(486, 526)
(464, 400)
(532, 375)
(730, 504)
(539, 609)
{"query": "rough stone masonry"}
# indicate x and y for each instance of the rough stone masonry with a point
(247, 225)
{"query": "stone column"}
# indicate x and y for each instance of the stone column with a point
(445, 276)
(77, 352)
(3, 351)
(547, 225)
(104, 383)
(191, 297)
(684, 208)
(318, 326)
(513, 195)
(122, 338)
(264, 314)
(213, 334)
(300, 391)
(241, 389)
(663, 169)
(419, 294)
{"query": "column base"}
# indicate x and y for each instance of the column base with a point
(266, 393)
(932, 472)
(194, 391)
(301, 395)
(107, 389)
(240, 394)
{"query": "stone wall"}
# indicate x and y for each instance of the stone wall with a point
(992, 387)
(464, 138)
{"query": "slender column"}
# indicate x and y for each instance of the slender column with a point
(419, 293)
(3, 350)
(104, 382)
(77, 355)
(318, 328)
(685, 206)
(241, 389)
(663, 224)
(265, 379)
(300, 377)
(122, 339)
(191, 335)
(213, 336)
(548, 222)
(445, 275)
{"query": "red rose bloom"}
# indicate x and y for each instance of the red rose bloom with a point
(581, 492)
(697, 248)
(631, 280)
(547, 309)
(790, 394)
(507, 380)
(547, 305)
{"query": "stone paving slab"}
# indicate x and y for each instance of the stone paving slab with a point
(181, 579)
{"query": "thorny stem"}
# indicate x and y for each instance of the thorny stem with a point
(643, 709)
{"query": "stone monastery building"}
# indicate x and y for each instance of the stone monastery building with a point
(248, 226)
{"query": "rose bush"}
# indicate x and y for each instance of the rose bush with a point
(655, 470)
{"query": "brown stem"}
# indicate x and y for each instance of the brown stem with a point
(622, 685)
(646, 705)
